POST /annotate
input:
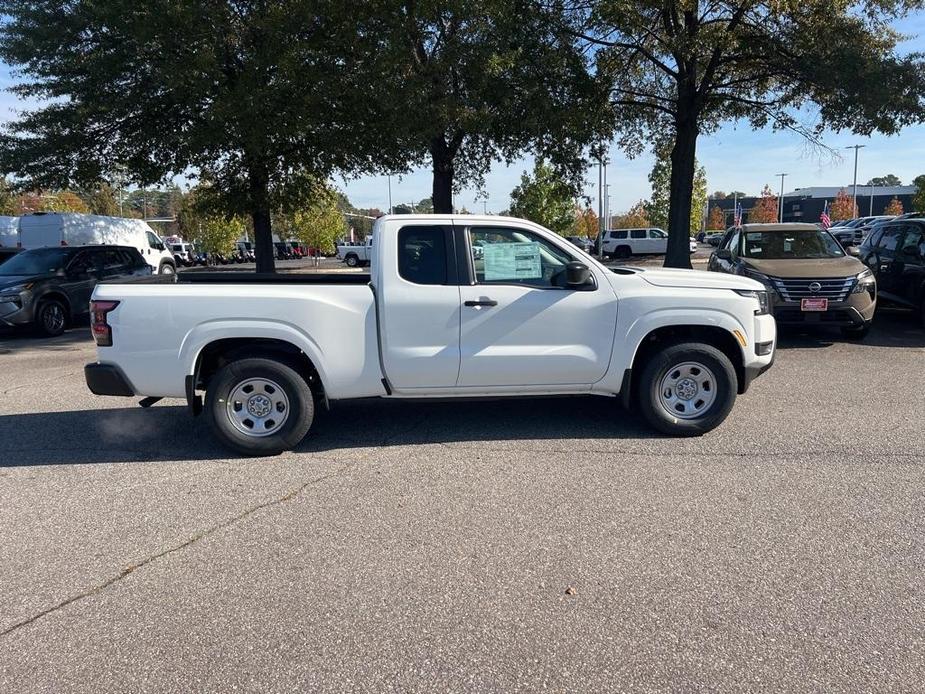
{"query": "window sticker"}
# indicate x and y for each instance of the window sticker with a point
(753, 236)
(512, 261)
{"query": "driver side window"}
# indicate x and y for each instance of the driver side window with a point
(517, 256)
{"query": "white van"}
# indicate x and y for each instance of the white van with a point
(71, 229)
(622, 243)
(9, 232)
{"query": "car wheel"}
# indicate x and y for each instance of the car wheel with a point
(855, 332)
(259, 406)
(622, 253)
(167, 269)
(352, 261)
(51, 318)
(687, 389)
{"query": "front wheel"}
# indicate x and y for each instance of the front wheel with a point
(259, 406)
(167, 269)
(51, 318)
(687, 389)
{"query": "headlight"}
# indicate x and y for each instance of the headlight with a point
(12, 293)
(758, 277)
(864, 282)
(764, 304)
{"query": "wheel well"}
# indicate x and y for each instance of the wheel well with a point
(720, 338)
(217, 354)
(55, 295)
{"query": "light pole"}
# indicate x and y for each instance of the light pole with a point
(600, 163)
(780, 205)
(854, 212)
(389, 176)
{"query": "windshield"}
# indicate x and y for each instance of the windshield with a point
(778, 245)
(40, 261)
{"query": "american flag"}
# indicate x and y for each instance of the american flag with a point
(824, 217)
(737, 216)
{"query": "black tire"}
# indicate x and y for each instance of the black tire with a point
(51, 318)
(622, 252)
(300, 411)
(352, 260)
(855, 332)
(167, 268)
(657, 368)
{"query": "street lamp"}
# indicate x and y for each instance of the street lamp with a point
(780, 205)
(854, 212)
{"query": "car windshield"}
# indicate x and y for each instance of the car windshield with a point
(777, 245)
(40, 261)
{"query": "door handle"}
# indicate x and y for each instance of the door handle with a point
(482, 302)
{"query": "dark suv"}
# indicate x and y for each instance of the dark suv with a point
(895, 253)
(48, 287)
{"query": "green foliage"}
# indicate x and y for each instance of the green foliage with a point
(250, 96)
(8, 207)
(473, 82)
(544, 198)
(660, 202)
(918, 199)
(684, 68)
(198, 221)
(318, 224)
(102, 200)
(888, 180)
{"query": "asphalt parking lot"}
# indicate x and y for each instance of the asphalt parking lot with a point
(501, 546)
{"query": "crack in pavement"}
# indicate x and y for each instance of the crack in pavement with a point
(154, 557)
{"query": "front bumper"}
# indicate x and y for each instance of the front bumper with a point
(107, 379)
(841, 313)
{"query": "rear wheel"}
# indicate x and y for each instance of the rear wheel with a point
(622, 252)
(259, 406)
(687, 389)
(51, 317)
(352, 260)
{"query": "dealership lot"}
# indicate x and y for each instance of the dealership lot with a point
(480, 546)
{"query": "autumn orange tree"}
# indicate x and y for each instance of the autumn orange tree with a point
(637, 216)
(586, 222)
(765, 210)
(843, 207)
(894, 208)
(717, 218)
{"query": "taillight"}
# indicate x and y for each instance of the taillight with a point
(102, 331)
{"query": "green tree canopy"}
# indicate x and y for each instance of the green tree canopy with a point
(544, 198)
(249, 95)
(318, 224)
(918, 199)
(686, 66)
(888, 180)
(479, 81)
(659, 205)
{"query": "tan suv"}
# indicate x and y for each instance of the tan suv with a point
(812, 280)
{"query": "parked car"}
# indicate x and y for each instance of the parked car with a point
(812, 279)
(714, 236)
(49, 287)
(46, 229)
(895, 253)
(7, 253)
(581, 242)
(356, 254)
(853, 232)
(183, 253)
(533, 317)
(623, 243)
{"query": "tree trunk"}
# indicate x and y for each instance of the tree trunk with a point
(260, 215)
(683, 163)
(442, 157)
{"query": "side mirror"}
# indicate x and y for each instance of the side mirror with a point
(853, 250)
(577, 274)
(724, 254)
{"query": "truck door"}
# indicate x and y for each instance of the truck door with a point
(521, 326)
(419, 308)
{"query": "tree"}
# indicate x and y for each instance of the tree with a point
(102, 200)
(918, 199)
(717, 218)
(248, 96)
(660, 178)
(889, 180)
(684, 67)
(587, 223)
(637, 216)
(765, 210)
(197, 222)
(843, 207)
(894, 208)
(7, 200)
(318, 224)
(544, 198)
(480, 81)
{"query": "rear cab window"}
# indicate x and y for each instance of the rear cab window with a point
(422, 254)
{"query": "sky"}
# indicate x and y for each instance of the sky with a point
(735, 157)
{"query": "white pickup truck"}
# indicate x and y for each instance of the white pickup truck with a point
(356, 254)
(532, 316)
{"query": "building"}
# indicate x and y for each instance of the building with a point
(806, 204)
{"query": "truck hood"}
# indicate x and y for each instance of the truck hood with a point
(696, 279)
(807, 267)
